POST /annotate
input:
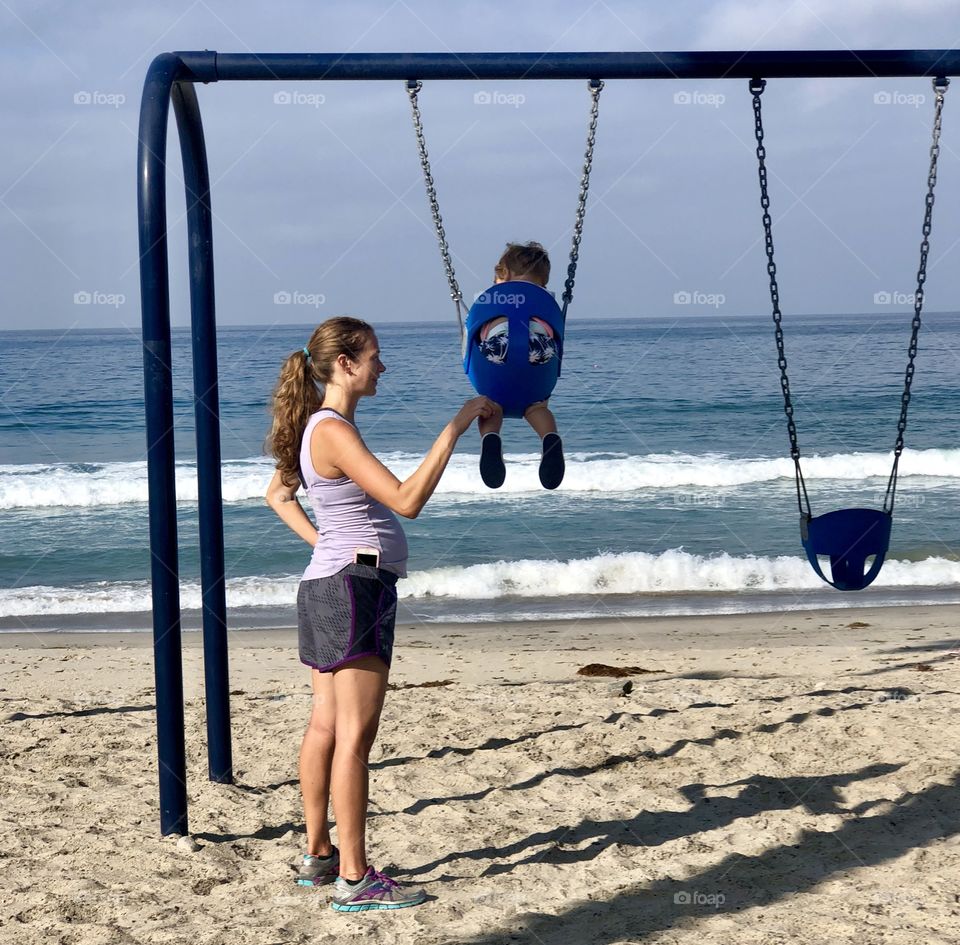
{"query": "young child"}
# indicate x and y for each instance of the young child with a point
(521, 263)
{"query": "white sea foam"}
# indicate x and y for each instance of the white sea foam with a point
(92, 485)
(673, 572)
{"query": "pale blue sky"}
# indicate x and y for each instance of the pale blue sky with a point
(323, 196)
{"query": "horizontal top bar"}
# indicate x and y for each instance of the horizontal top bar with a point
(209, 66)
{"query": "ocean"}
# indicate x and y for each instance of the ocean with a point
(678, 497)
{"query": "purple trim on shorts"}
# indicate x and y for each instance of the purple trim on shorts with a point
(353, 613)
(332, 666)
(353, 633)
(376, 629)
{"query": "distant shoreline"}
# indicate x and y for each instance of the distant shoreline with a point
(858, 625)
(672, 316)
(521, 612)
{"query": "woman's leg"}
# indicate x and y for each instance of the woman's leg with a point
(316, 758)
(360, 687)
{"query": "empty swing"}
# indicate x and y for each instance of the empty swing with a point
(516, 383)
(848, 537)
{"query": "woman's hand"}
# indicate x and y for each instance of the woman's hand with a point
(471, 410)
(283, 500)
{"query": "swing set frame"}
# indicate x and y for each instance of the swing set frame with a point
(172, 77)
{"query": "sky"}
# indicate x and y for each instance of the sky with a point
(319, 202)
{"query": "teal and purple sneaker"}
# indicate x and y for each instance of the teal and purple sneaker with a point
(319, 870)
(374, 891)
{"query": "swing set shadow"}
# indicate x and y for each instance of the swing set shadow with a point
(171, 78)
(737, 882)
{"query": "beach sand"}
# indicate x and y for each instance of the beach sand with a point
(771, 778)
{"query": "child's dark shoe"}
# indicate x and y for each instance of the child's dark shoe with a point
(551, 462)
(492, 470)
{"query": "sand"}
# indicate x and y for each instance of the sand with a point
(775, 778)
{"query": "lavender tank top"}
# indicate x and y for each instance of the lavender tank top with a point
(346, 517)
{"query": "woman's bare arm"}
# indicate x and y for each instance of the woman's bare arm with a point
(283, 500)
(341, 445)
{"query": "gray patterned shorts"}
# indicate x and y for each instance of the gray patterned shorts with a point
(347, 615)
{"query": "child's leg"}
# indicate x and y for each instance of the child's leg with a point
(552, 466)
(492, 470)
(540, 417)
(490, 424)
(494, 342)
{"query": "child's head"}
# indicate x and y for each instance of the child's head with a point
(523, 262)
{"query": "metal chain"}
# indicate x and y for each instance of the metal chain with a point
(413, 88)
(940, 84)
(756, 89)
(596, 87)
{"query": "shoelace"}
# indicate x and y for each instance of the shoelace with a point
(386, 880)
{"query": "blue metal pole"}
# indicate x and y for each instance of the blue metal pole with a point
(209, 66)
(158, 395)
(726, 64)
(207, 410)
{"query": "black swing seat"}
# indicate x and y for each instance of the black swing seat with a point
(848, 537)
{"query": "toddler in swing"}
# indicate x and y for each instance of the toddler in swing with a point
(521, 263)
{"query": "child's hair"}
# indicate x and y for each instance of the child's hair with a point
(297, 396)
(527, 261)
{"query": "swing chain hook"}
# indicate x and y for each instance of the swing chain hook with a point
(596, 87)
(756, 90)
(413, 88)
(940, 84)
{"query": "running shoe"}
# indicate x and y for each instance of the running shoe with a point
(319, 870)
(374, 891)
(492, 470)
(552, 466)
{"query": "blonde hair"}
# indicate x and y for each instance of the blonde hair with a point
(528, 261)
(297, 395)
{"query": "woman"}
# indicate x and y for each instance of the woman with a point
(347, 600)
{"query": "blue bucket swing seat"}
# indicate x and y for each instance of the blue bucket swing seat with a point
(848, 537)
(515, 384)
(855, 540)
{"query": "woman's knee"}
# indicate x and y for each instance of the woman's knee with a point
(322, 729)
(360, 687)
(357, 733)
